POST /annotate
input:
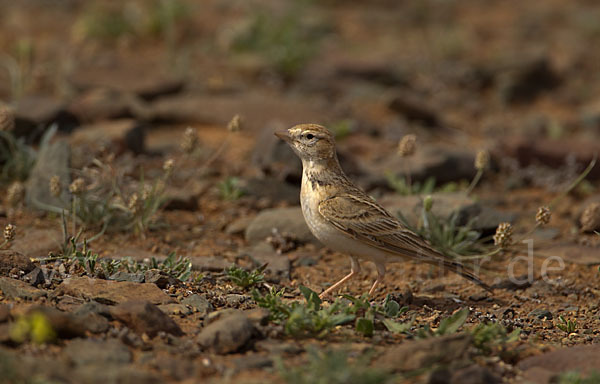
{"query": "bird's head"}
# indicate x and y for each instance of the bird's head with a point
(311, 142)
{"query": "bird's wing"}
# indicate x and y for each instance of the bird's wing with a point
(365, 220)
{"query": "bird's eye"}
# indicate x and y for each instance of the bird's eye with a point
(310, 136)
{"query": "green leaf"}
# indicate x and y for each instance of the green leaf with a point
(451, 324)
(391, 307)
(365, 326)
(312, 299)
(396, 327)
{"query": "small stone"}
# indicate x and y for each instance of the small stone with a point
(258, 316)
(227, 335)
(198, 303)
(175, 309)
(35, 277)
(127, 276)
(234, 299)
(238, 226)
(417, 354)
(17, 289)
(155, 276)
(285, 220)
(145, 317)
(111, 292)
(541, 314)
(278, 265)
(10, 259)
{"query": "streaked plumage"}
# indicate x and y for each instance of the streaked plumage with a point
(346, 219)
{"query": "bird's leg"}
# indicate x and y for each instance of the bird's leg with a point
(380, 275)
(354, 269)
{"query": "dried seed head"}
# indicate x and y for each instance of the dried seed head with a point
(590, 218)
(190, 140)
(235, 125)
(482, 160)
(7, 119)
(168, 166)
(55, 187)
(543, 215)
(147, 192)
(407, 145)
(77, 186)
(15, 193)
(503, 236)
(9, 232)
(134, 204)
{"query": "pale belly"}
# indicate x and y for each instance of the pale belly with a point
(337, 240)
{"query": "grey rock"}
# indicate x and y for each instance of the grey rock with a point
(235, 299)
(238, 226)
(278, 265)
(285, 220)
(35, 277)
(540, 313)
(53, 159)
(227, 335)
(111, 292)
(442, 163)
(127, 276)
(175, 309)
(35, 112)
(154, 276)
(145, 317)
(93, 307)
(253, 361)
(412, 355)
(86, 352)
(17, 289)
(10, 259)
(198, 303)
(124, 134)
(584, 358)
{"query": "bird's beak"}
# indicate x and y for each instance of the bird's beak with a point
(284, 135)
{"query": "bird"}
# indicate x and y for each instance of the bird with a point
(345, 219)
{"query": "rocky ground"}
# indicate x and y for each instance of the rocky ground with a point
(152, 222)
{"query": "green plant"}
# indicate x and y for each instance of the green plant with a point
(229, 189)
(341, 129)
(312, 318)
(448, 325)
(285, 42)
(333, 367)
(16, 157)
(405, 188)
(567, 326)
(175, 266)
(574, 377)
(105, 23)
(446, 235)
(245, 279)
(493, 337)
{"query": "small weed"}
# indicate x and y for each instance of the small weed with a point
(567, 326)
(447, 236)
(492, 337)
(448, 326)
(341, 129)
(333, 367)
(311, 318)
(16, 157)
(229, 189)
(245, 279)
(175, 266)
(404, 188)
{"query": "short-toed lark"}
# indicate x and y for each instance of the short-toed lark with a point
(346, 219)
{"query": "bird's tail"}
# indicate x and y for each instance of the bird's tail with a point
(460, 269)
